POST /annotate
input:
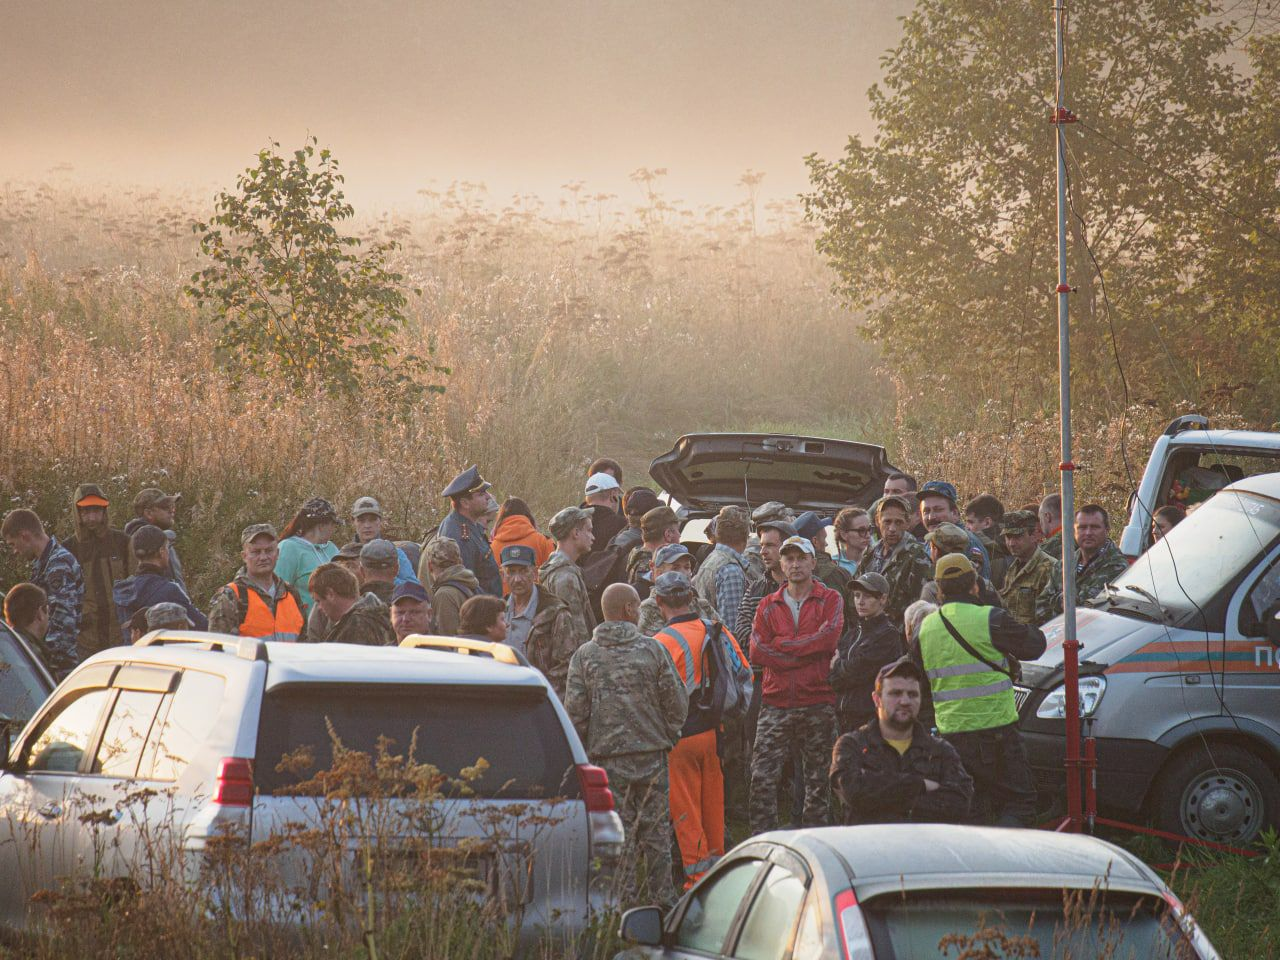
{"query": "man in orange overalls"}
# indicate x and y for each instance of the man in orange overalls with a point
(694, 772)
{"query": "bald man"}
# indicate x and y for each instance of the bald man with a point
(628, 705)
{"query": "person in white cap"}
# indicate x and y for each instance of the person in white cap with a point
(603, 497)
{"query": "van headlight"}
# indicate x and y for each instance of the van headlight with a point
(1054, 706)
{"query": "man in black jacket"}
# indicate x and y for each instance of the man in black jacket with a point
(873, 643)
(892, 770)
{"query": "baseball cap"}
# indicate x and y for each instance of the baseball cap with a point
(671, 584)
(170, 615)
(518, 555)
(152, 497)
(872, 583)
(91, 495)
(772, 510)
(601, 482)
(800, 543)
(350, 551)
(379, 554)
(784, 527)
(656, 520)
(410, 590)
(1020, 521)
(670, 553)
(809, 524)
(255, 530)
(318, 508)
(902, 667)
(366, 505)
(639, 501)
(953, 566)
(941, 488)
(948, 538)
(562, 524)
(148, 540)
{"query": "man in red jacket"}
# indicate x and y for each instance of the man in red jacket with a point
(794, 634)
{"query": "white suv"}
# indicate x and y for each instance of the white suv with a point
(197, 724)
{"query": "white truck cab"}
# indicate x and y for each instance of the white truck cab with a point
(1179, 680)
(1188, 464)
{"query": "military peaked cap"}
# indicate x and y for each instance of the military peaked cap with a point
(468, 481)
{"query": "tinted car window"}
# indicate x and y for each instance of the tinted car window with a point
(772, 916)
(65, 734)
(22, 688)
(125, 733)
(516, 731)
(1056, 923)
(706, 922)
(185, 719)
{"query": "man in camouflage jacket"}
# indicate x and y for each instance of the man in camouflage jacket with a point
(561, 575)
(1098, 562)
(629, 706)
(1029, 570)
(672, 557)
(898, 556)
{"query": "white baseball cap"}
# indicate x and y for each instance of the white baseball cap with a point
(600, 483)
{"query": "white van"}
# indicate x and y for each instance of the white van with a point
(1179, 680)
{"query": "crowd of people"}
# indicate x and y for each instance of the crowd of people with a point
(869, 682)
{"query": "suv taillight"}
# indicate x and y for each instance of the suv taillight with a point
(235, 782)
(595, 788)
(854, 936)
(603, 823)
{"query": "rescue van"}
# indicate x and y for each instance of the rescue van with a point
(1179, 678)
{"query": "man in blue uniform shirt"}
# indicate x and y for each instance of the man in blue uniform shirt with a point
(470, 497)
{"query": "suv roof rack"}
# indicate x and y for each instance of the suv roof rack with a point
(246, 648)
(467, 647)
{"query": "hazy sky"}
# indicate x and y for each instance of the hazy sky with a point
(522, 95)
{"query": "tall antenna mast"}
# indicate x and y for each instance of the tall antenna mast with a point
(1070, 645)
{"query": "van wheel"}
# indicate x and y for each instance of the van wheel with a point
(1225, 795)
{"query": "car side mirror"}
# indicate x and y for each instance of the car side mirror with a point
(643, 926)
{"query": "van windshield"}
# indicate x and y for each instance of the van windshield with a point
(1186, 570)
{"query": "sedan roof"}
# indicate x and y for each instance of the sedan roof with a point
(886, 857)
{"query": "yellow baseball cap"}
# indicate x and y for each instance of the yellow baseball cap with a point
(953, 566)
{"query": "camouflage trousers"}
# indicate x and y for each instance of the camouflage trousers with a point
(811, 731)
(640, 790)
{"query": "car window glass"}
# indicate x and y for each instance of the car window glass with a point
(809, 944)
(22, 688)
(64, 735)
(1262, 600)
(706, 922)
(771, 917)
(125, 733)
(182, 726)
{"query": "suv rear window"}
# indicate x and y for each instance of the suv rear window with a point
(517, 731)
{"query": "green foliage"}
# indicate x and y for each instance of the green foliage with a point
(942, 228)
(296, 299)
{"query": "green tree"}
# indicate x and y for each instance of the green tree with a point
(296, 299)
(941, 229)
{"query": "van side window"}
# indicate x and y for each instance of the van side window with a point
(1263, 597)
(66, 732)
(185, 719)
(125, 733)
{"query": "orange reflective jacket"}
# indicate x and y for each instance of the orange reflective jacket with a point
(258, 620)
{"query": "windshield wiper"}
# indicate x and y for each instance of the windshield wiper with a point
(1146, 595)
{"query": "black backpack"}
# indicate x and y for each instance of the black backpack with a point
(724, 693)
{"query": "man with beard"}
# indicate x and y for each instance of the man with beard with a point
(104, 556)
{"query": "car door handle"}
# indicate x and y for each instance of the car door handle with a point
(50, 810)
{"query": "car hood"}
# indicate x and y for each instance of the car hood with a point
(706, 471)
(1104, 638)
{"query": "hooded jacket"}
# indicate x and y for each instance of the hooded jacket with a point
(452, 589)
(146, 588)
(517, 530)
(623, 694)
(862, 653)
(104, 558)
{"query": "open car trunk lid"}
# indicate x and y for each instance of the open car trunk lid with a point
(706, 471)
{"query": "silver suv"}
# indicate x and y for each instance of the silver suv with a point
(197, 725)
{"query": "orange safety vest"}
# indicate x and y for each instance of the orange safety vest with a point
(257, 619)
(683, 641)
